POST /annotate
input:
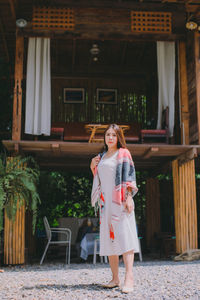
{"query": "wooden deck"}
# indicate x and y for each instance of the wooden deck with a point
(72, 155)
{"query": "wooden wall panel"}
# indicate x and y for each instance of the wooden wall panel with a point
(192, 96)
(152, 210)
(130, 106)
(185, 209)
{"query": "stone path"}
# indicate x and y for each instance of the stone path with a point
(153, 280)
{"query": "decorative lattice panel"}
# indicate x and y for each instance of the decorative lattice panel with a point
(53, 18)
(151, 22)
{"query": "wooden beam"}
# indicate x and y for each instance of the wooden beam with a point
(188, 155)
(16, 147)
(103, 35)
(184, 102)
(197, 67)
(17, 99)
(122, 4)
(55, 148)
(151, 151)
(12, 8)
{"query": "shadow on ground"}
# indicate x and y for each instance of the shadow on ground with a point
(94, 287)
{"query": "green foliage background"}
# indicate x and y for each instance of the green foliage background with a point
(65, 194)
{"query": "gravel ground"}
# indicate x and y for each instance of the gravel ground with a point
(153, 280)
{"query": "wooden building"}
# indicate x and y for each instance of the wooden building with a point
(111, 46)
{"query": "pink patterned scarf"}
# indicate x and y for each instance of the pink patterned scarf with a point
(124, 178)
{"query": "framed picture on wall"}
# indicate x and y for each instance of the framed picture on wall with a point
(73, 95)
(106, 96)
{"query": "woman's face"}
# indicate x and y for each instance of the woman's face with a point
(111, 138)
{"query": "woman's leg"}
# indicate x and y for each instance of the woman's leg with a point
(128, 258)
(114, 265)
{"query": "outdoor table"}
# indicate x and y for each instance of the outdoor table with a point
(99, 129)
(87, 245)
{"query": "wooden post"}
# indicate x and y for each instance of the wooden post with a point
(17, 99)
(184, 106)
(185, 209)
(14, 242)
(14, 237)
(152, 210)
(197, 65)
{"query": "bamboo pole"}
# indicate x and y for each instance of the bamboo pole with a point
(194, 208)
(185, 209)
(18, 227)
(14, 240)
(176, 198)
(6, 236)
(23, 235)
(14, 236)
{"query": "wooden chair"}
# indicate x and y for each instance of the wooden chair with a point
(159, 134)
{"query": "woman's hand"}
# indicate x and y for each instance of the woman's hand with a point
(94, 162)
(129, 204)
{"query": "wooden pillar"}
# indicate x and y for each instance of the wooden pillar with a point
(17, 99)
(197, 69)
(14, 237)
(184, 106)
(185, 209)
(30, 240)
(152, 210)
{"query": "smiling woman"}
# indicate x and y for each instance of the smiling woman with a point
(114, 185)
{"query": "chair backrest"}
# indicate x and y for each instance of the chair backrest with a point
(47, 228)
(165, 118)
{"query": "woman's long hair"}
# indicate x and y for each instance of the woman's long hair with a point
(120, 136)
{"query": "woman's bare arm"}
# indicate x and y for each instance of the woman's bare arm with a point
(94, 163)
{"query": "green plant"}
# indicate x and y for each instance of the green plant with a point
(64, 194)
(18, 185)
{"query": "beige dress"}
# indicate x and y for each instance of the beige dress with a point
(126, 238)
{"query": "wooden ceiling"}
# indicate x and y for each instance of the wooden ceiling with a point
(116, 58)
(10, 10)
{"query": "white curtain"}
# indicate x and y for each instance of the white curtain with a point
(38, 87)
(166, 81)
